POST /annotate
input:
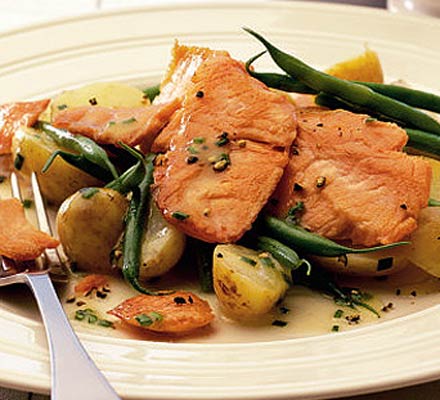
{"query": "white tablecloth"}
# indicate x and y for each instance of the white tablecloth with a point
(15, 13)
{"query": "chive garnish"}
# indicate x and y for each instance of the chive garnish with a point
(370, 119)
(338, 313)
(88, 193)
(129, 120)
(192, 150)
(248, 260)
(267, 261)
(144, 320)
(18, 161)
(180, 215)
(27, 203)
(222, 139)
(335, 328)
(62, 107)
(199, 140)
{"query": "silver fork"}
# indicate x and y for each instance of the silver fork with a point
(74, 375)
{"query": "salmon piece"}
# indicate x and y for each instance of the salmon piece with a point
(19, 240)
(106, 125)
(184, 63)
(14, 115)
(227, 150)
(355, 182)
(89, 283)
(178, 312)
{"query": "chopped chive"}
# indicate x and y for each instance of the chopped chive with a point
(192, 150)
(144, 320)
(111, 123)
(180, 215)
(18, 161)
(248, 260)
(62, 107)
(335, 328)
(223, 139)
(338, 313)
(279, 323)
(370, 119)
(267, 261)
(129, 120)
(88, 193)
(27, 203)
(156, 316)
(105, 323)
(199, 140)
(385, 263)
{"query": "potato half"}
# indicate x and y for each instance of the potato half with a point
(61, 179)
(247, 283)
(89, 223)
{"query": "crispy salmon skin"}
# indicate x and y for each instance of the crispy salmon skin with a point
(355, 182)
(19, 240)
(226, 150)
(178, 312)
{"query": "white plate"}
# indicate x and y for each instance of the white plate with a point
(133, 45)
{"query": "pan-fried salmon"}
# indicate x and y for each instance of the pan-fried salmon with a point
(228, 146)
(19, 240)
(106, 125)
(13, 115)
(353, 179)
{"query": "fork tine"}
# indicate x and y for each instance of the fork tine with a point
(58, 269)
(15, 187)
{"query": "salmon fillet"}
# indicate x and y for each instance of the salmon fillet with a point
(106, 125)
(19, 240)
(14, 115)
(355, 182)
(227, 148)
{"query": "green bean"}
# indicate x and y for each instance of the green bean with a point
(351, 92)
(136, 221)
(86, 154)
(311, 243)
(412, 97)
(283, 254)
(433, 203)
(278, 81)
(152, 91)
(132, 177)
(203, 253)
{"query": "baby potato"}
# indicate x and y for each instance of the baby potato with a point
(425, 244)
(378, 263)
(61, 179)
(89, 223)
(104, 94)
(247, 283)
(162, 246)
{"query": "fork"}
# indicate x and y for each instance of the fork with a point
(74, 375)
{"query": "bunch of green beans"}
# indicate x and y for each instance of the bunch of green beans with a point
(350, 92)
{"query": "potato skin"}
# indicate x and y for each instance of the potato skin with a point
(89, 228)
(104, 94)
(246, 291)
(425, 244)
(378, 263)
(162, 246)
(61, 179)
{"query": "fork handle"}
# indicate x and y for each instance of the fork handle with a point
(74, 374)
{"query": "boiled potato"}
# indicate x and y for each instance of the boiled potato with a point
(105, 94)
(247, 283)
(383, 262)
(425, 244)
(61, 179)
(162, 246)
(89, 224)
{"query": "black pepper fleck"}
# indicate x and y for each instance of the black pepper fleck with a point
(413, 293)
(200, 94)
(404, 206)
(93, 101)
(192, 159)
(179, 300)
(297, 187)
(279, 323)
(190, 300)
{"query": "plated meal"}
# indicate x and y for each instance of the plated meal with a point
(219, 171)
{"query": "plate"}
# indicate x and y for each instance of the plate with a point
(133, 45)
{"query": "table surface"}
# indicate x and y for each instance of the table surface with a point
(22, 12)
